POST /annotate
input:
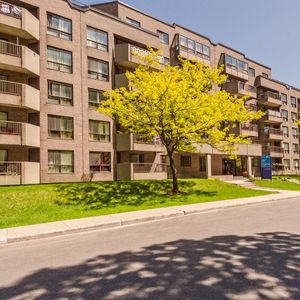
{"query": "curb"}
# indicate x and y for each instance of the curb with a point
(53, 229)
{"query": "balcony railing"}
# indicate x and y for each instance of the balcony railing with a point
(251, 107)
(10, 10)
(10, 49)
(275, 149)
(247, 87)
(141, 140)
(266, 95)
(10, 168)
(11, 88)
(274, 131)
(149, 168)
(10, 128)
(273, 113)
(251, 127)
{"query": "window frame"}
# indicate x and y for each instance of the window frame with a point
(60, 98)
(98, 103)
(61, 166)
(93, 134)
(185, 160)
(161, 34)
(61, 132)
(60, 64)
(103, 77)
(60, 33)
(98, 168)
(95, 42)
(133, 22)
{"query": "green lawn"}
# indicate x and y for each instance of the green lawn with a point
(24, 205)
(296, 177)
(278, 184)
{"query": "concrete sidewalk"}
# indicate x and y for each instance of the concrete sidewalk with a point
(116, 220)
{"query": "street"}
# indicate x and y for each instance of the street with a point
(249, 252)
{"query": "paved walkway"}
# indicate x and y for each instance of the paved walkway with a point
(121, 219)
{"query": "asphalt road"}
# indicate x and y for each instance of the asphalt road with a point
(239, 253)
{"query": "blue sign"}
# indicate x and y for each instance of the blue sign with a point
(266, 167)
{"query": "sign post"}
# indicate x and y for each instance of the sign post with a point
(266, 167)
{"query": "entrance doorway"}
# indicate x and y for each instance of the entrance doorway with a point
(235, 167)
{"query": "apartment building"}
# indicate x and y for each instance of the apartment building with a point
(57, 58)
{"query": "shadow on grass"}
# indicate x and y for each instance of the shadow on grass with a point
(111, 194)
(263, 266)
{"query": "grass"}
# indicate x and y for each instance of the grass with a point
(278, 184)
(24, 205)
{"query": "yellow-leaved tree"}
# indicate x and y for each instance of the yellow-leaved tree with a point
(180, 105)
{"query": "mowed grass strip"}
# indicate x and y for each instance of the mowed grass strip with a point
(25, 205)
(278, 184)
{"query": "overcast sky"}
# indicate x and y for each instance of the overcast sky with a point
(265, 30)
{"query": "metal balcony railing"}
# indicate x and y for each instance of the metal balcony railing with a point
(251, 127)
(274, 131)
(11, 88)
(10, 168)
(10, 49)
(273, 113)
(10, 128)
(10, 10)
(149, 168)
(275, 149)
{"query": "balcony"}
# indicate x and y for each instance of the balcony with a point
(19, 22)
(269, 99)
(15, 173)
(130, 142)
(240, 89)
(16, 133)
(18, 58)
(19, 95)
(273, 133)
(141, 171)
(250, 130)
(272, 116)
(274, 151)
(126, 56)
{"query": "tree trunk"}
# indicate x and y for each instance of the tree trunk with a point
(174, 174)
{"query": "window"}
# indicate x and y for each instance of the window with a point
(295, 133)
(60, 93)
(285, 131)
(59, 60)
(99, 131)
(137, 158)
(163, 159)
(236, 64)
(3, 159)
(59, 26)
(251, 72)
(60, 127)
(283, 98)
(284, 114)
(194, 47)
(265, 75)
(296, 148)
(3, 77)
(293, 101)
(133, 22)
(294, 116)
(202, 164)
(60, 161)
(185, 160)
(100, 161)
(296, 164)
(164, 37)
(97, 39)
(98, 69)
(95, 97)
(286, 163)
(286, 148)
(164, 60)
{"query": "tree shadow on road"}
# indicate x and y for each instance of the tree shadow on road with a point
(262, 266)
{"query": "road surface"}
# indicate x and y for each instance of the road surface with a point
(250, 252)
